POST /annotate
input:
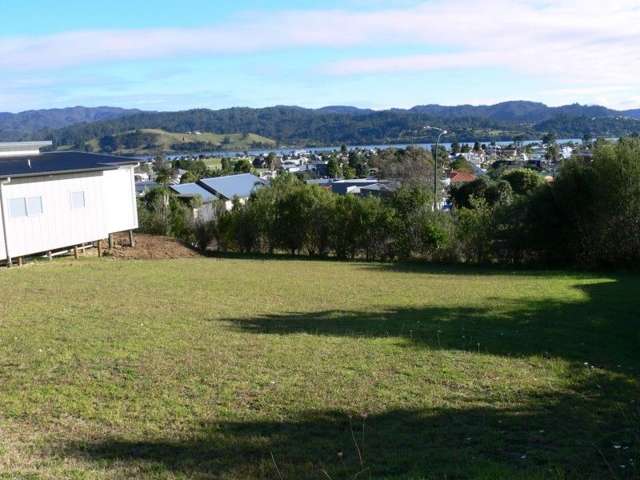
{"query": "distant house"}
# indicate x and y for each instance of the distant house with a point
(193, 190)
(141, 177)
(190, 191)
(227, 188)
(142, 188)
(380, 189)
(232, 187)
(456, 177)
(344, 187)
(51, 201)
(320, 182)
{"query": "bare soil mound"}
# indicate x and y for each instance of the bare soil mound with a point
(149, 247)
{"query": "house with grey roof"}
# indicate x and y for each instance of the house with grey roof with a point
(193, 190)
(56, 200)
(228, 189)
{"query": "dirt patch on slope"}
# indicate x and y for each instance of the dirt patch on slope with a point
(149, 247)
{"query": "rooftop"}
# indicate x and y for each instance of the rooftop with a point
(232, 186)
(52, 163)
(461, 177)
(191, 190)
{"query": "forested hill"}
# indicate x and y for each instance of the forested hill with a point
(298, 126)
(30, 124)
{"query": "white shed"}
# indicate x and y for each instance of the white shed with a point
(50, 201)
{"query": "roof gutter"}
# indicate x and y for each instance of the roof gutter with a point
(4, 220)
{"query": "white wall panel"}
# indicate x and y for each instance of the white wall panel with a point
(3, 255)
(121, 212)
(110, 206)
(59, 225)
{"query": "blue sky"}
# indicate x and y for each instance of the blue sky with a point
(170, 55)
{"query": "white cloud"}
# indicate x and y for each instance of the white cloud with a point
(580, 43)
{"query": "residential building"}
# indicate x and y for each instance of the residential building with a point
(52, 201)
(227, 188)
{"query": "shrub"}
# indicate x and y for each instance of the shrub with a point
(523, 180)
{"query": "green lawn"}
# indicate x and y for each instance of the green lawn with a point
(278, 369)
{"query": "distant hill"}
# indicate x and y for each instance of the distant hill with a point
(633, 113)
(150, 141)
(345, 110)
(334, 125)
(23, 125)
(522, 112)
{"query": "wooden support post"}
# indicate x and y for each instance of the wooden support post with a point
(75, 252)
(110, 240)
(132, 240)
(50, 255)
(99, 245)
(19, 261)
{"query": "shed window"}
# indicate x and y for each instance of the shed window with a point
(34, 206)
(77, 200)
(18, 207)
(23, 207)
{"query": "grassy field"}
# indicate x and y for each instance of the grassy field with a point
(278, 369)
(165, 140)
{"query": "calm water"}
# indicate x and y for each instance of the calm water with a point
(289, 150)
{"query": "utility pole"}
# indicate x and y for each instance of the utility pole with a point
(435, 165)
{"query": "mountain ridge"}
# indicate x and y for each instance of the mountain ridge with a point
(294, 125)
(21, 125)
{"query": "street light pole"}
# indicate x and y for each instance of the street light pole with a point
(435, 165)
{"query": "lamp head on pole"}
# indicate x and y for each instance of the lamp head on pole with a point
(429, 127)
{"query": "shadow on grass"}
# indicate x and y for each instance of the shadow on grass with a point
(589, 430)
(588, 433)
(603, 330)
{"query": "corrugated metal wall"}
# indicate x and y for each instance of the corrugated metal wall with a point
(121, 212)
(109, 206)
(3, 255)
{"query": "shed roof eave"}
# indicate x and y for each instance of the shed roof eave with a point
(66, 172)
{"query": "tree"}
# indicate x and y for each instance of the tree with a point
(189, 177)
(377, 223)
(321, 221)
(549, 138)
(164, 170)
(460, 164)
(333, 168)
(491, 192)
(242, 166)
(598, 206)
(272, 161)
(108, 144)
(348, 226)
(348, 172)
(523, 180)
(409, 203)
(293, 217)
(411, 165)
(474, 228)
(226, 165)
(245, 227)
(553, 152)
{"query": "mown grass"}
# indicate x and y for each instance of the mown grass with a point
(238, 369)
